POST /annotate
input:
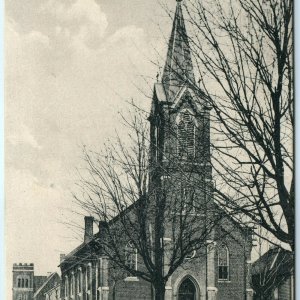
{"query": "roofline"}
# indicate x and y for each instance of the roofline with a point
(43, 285)
(96, 235)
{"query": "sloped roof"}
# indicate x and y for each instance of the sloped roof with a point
(277, 259)
(48, 279)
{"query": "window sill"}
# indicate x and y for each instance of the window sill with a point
(131, 278)
(224, 281)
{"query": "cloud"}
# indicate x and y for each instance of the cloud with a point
(20, 134)
(81, 20)
(128, 34)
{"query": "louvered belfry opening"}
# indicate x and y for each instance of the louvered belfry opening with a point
(186, 137)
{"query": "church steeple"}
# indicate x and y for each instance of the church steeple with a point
(178, 69)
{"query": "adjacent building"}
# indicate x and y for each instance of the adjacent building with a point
(273, 275)
(50, 289)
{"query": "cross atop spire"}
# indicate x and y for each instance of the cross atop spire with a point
(178, 68)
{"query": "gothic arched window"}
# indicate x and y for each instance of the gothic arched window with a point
(186, 136)
(19, 282)
(223, 262)
(23, 282)
(131, 256)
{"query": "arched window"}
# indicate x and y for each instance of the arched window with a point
(131, 256)
(22, 282)
(187, 290)
(66, 286)
(88, 277)
(79, 281)
(26, 282)
(19, 282)
(223, 262)
(186, 136)
(72, 284)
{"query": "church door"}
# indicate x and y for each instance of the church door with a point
(187, 290)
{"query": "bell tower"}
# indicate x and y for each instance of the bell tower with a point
(180, 123)
(23, 276)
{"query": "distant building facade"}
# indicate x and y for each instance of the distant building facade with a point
(222, 269)
(23, 281)
(27, 286)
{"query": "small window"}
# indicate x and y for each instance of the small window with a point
(88, 277)
(23, 282)
(131, 257)
(223, 263)
(72, 285)
(26, 283)
(66, 286)
(79, 281)
(19, 282)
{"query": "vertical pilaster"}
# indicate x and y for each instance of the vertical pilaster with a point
(249, 290)
(211, 270)
(168, 289)
(104, 288)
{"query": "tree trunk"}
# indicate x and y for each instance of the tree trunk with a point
(159, 291)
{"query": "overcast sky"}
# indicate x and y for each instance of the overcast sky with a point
(70, 67)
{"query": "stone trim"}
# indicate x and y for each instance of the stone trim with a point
(131, 278)
(212, 288)
(166, 239)
(210, 242)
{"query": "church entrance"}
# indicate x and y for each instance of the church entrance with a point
(187, 290)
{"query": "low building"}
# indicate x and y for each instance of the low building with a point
(50, 290)
(273, 275)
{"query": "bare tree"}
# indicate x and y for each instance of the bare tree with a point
(244, 56)
(145, 208)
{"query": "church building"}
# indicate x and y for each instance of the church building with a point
(179, 139)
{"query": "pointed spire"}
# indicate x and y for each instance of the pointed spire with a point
(178, 68)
